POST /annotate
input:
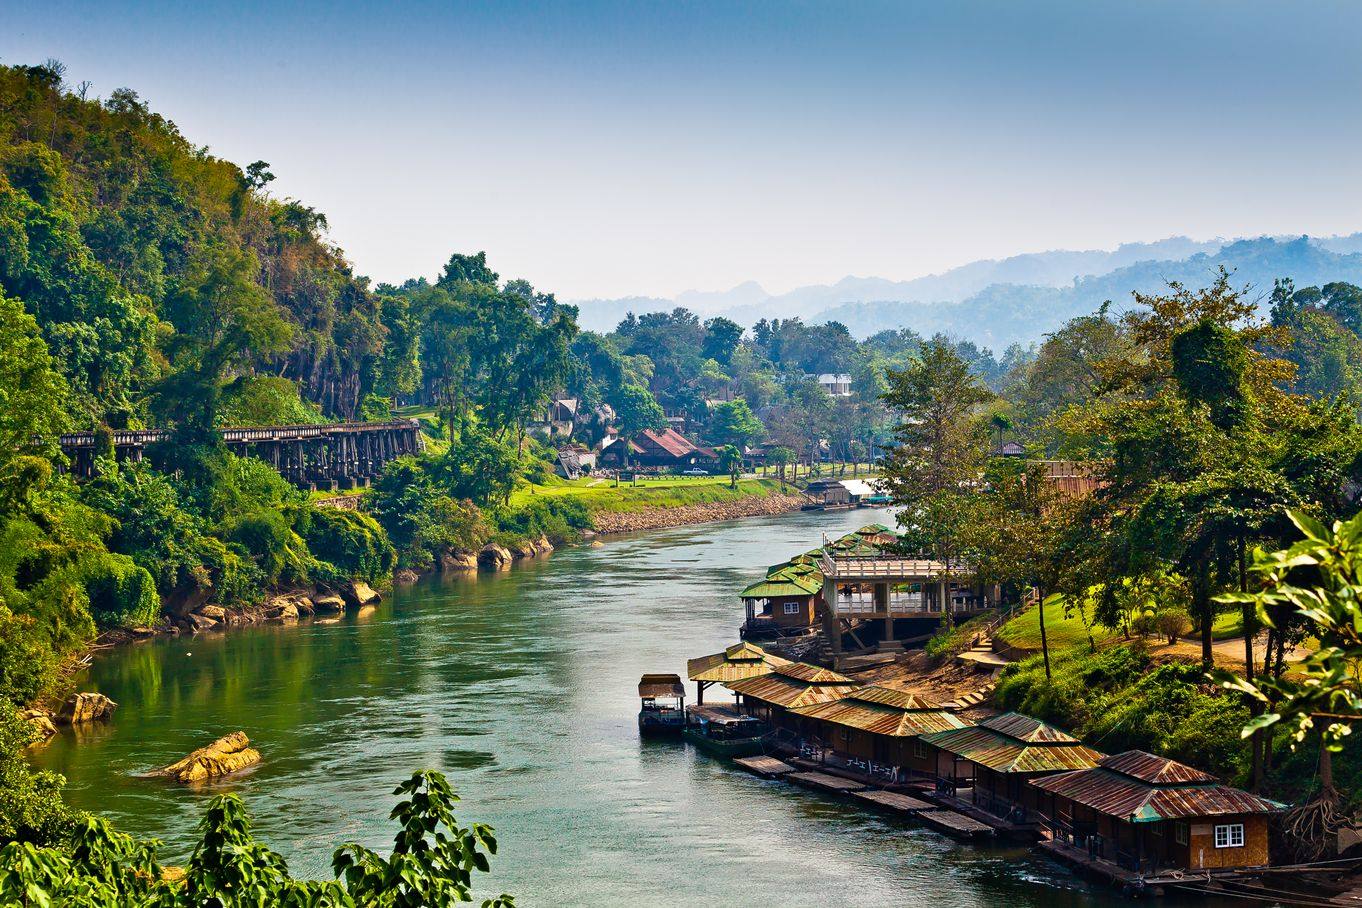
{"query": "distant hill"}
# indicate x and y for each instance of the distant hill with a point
(997, 302)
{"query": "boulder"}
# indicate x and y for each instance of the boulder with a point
(328, 604)
(142, 632)
(357, 592)
(494, 557)
(458, 561)
(407, 576)
(304, 605)
(282, 611)
(40, 720)
(542, 545)
(523, 548)
(228, 754)
(86, 707)
(199, 622)
(216, 612)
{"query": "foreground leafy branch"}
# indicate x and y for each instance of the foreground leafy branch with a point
(432, 863)
(1318, 579)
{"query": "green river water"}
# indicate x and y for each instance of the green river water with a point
(521, 686)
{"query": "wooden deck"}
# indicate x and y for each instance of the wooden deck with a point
(954, 824)
(766, 767)
(824, 782)
(891, 800)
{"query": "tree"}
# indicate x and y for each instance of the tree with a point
(730, 461)
(722, 336)
(734, 423)
(939, 445)
(32, 397)
(467, 269)
(781, 457)
(223, 318)
(635, 410)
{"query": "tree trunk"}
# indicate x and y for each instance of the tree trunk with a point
(1201, 603)
(1044, 642)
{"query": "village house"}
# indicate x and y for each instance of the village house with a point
(772, 696)
(1146, 813)
(557, 420)
(837, 384)
(996, 758)
(739, 661)
(574, 461)
(664, 448)
(843, 493)
(877, 730)
(785, 601)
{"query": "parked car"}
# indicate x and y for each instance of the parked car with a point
(695, 471)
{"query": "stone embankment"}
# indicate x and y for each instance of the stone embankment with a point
(684, 515)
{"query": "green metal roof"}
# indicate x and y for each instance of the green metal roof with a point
(783, 585)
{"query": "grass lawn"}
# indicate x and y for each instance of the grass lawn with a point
(664, 491)
(1062, 632)
(1023, 631)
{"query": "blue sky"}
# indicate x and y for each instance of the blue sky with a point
(648, 148)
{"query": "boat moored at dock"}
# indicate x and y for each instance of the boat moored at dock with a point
(725, 732)
(663, 709)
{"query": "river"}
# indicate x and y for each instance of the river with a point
(521, 687)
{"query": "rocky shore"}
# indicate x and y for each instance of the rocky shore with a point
(684, 515)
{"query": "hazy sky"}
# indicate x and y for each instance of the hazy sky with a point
(648, 148)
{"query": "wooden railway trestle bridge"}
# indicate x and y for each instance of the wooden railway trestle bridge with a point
(327, 456)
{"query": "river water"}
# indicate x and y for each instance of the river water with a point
(521, 686)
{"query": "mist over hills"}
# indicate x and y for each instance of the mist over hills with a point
(1020, 298)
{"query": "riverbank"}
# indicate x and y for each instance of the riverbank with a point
(656, 517)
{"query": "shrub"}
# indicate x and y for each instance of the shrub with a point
(1172, 623)
(268, 539)
(351, 542)
(560, 519)
(121, 592)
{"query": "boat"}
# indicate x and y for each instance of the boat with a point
(725, 732)
(663, 710)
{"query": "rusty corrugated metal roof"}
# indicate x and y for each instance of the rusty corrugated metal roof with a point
(1028, 730)
(741, 660)
(781, 689)
(1003, 753)
(1116, 794)
(661, 686)
(1154, 769)
(879, 718)
(892, 696)
(813, 674)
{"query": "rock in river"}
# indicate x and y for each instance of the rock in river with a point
(230, 753)
(495, 557)
(357, 592)
(86, 707)
(328, 604)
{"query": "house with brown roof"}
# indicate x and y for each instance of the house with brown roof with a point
(739, 661)
(1146, 813)
(998, 757)
(772, 696)
(658, 448)
(876, 729)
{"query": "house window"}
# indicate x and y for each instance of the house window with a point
(920, 748)
(1231, 835)
(792, 608)
(1180, 833)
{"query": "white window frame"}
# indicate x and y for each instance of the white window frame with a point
(792, 608)
(1180, 833)
(1229, 835)
(919, 748)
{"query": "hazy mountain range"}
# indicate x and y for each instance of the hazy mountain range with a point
(998, 301)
